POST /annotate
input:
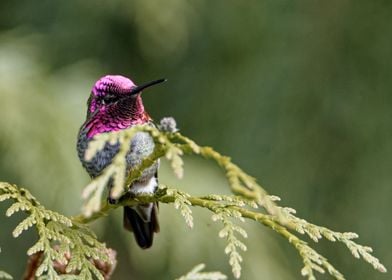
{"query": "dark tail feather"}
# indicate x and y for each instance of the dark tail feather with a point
(143, 230)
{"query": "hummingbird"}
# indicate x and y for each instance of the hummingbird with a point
(115, 103)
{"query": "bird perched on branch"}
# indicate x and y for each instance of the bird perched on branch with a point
(115, 103)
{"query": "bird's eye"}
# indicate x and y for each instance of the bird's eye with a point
(108, 99)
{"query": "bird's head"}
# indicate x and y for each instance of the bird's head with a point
(115, 102)
(113, 90)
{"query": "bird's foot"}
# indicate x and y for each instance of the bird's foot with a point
(112, 200)
(122, 198)
(126, 196)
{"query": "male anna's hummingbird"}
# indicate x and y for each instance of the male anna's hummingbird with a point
(114, 104)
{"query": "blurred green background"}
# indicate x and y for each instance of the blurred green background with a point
(297, 93)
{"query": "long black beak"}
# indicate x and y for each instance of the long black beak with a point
(138, 89)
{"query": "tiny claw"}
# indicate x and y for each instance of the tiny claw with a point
(127, 196)
(112, 200)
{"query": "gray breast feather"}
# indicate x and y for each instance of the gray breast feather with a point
(142, 145)
(101, 159)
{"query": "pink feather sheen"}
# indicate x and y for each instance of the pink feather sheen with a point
(117, 83)
(96, 126)
(111, 119)
(110, 83)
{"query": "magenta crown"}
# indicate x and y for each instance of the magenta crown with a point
(116, 87)
(113, 84)
(120, 85)
(115, 103)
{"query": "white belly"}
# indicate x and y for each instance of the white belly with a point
(144, 187)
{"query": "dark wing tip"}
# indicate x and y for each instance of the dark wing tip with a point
(143, 231)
